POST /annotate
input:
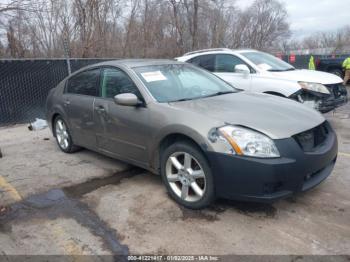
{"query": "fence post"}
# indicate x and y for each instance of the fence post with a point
(67, 55)
(68, 66)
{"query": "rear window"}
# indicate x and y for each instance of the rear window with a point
(84, 83)
(205, 61)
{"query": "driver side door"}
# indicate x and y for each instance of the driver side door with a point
(123, 131)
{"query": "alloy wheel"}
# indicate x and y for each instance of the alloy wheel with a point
(62, 135)
(185, 176)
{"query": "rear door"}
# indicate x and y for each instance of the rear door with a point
(122, 131)
(78, 99)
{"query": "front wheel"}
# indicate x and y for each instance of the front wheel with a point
(187, 175)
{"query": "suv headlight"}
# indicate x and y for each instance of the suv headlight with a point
(316, 87)
(248, 142)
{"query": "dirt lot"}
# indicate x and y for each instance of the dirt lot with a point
(85, 203)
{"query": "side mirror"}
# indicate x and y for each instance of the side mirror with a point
(127, 99)
(243, 69)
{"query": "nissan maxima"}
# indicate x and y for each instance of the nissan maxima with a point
(205, 138)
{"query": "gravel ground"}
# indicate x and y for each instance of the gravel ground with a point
(86, 203)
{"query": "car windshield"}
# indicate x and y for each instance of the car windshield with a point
(180, 82)
(268, 62)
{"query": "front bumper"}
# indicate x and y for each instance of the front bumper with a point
(323, 102)
(332, 103)
(265, 180)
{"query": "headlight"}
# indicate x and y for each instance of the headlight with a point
(248, 142)
(316, 87)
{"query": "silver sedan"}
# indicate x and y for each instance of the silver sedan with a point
(204, 137)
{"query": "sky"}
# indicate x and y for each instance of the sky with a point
(309, 16)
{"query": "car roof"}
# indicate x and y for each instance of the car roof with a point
(137, 62)
(217, 51)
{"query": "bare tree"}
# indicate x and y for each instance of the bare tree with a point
(327, 42)
(192, 18)
(138, 28)
(262, 25)
(131, 28)
(178, 27)
(15, 5)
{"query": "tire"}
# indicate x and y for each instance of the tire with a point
(190, 184)
(63, 137)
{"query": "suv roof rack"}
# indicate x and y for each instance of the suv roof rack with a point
(207, 50)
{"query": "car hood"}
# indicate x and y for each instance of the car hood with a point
(274, 116)
(308, 76)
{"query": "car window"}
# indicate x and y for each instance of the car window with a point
(205, 61)
(84, 83)
(267, 62)
(175, 82)
(227, 63)
(115, 81)
(189, 80)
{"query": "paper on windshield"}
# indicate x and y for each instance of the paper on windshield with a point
(153, 76)
(264, 66)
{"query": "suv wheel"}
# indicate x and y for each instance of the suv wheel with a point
(63, 137)
(187, 175)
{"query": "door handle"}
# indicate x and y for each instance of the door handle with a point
(100, 109)
(66, 103)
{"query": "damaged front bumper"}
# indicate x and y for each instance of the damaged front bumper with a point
(323, 102)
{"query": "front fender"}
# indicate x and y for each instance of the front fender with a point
(180, 130)
(265, 84)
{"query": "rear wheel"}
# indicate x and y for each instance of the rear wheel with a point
(63, 137)
(187, 175)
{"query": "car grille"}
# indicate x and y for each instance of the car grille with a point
(337, 90)
(311, 139)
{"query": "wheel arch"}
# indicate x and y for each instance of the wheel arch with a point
(52, 122)
(56, 111)
(171, 138)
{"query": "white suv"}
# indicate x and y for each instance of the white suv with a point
(256, 71)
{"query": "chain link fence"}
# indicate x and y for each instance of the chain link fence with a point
(24, 85)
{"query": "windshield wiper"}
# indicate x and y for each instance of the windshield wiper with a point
(220, 93)
(198, 97)
(183, 99)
